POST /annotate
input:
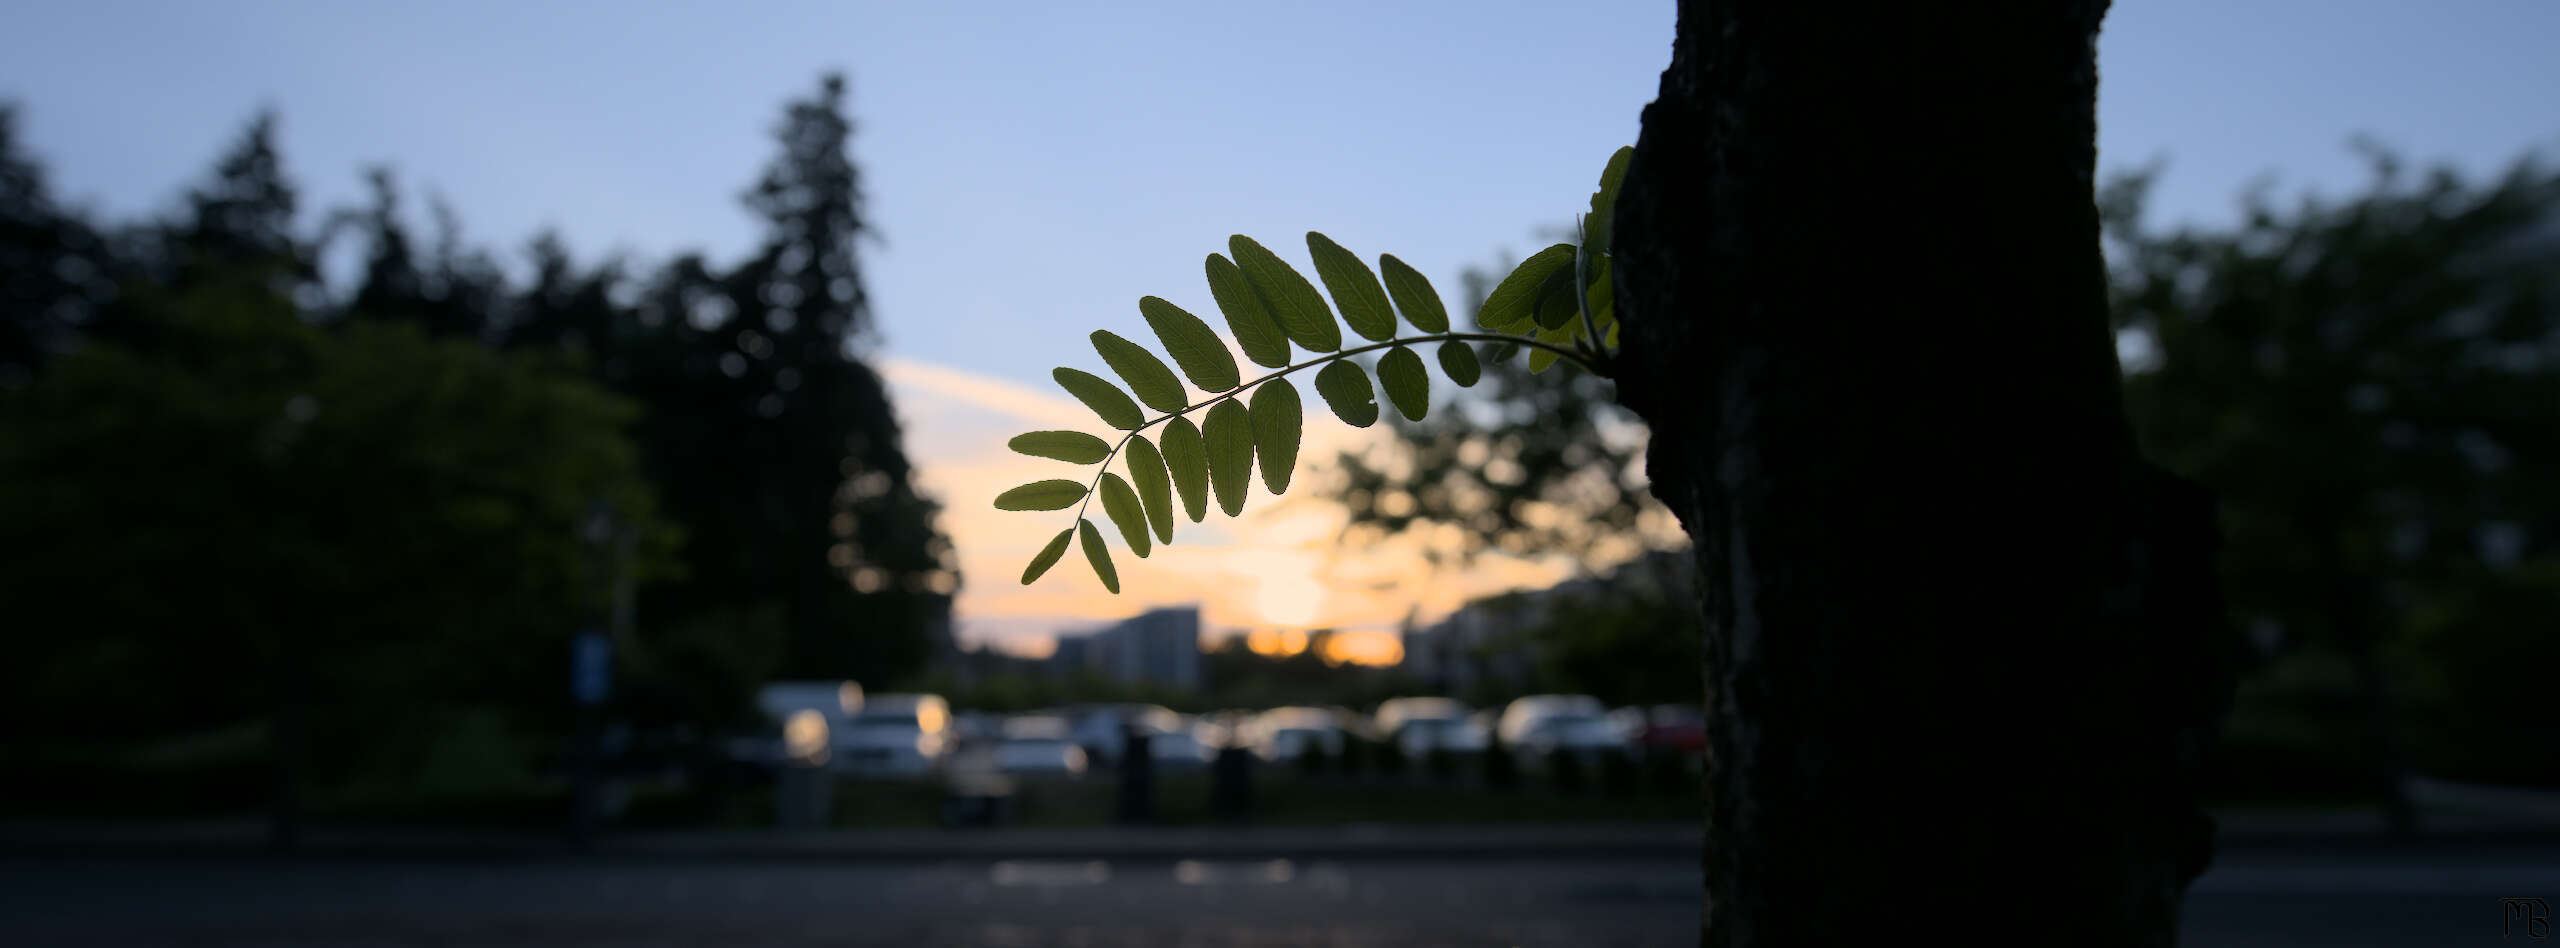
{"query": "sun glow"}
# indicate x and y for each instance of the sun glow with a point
(1290, 600)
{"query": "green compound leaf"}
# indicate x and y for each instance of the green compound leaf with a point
(1098, 555)
(1097, 393)
(1229, 435)
(1195, 346)
(1048, 557)
(1146, 470)
(1146, 374)
(1540, 359)
(1186, 457)
(1073, 447)
(1052, 494)
(1121, 504)
(1408, 386)
(1458, 361)
(1414, 295)
(1279, 421)
(1515, 299)
(1347, 391)
(1293, 300)
(1355, 290)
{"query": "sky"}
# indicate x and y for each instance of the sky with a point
(1034, 168)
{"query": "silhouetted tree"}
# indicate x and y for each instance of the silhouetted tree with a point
(1958, 634)
(53, 265)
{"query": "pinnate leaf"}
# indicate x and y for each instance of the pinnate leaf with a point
(1048, 557)
(1347, 391)
(1229, 436)
(1146, 374)
(1293, 300)
(1279, 421)
(1121, 504)
(1052, 494)
(1515, 299)
(1194, 346)
(1098, 555)
(1146, 470)
(1355, 290)
(1408, 386)
(1559, 300)
(1073, 447)
(1097, 393)
(1458, 361)
(1414, 295)
(1604, 202)
(1186, 457)
(1248, 317)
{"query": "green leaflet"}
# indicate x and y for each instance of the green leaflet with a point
(1540, 359)
(1355, 290)
(1604, 202)
(1251, 321)
(1098, 555)
(1229, 436)
(1293, 300)
(1601, 298)
(1052, 494)
(1279, 421)
(1146, 374)
(1048, 557)
(1558, 300)
(1073, 447)
(1120, 503)
(1097, 393)
(1186, 457)
(1194, 346)
(1347, 391)
(1400, 373)
(1146, 470)
(1613, 336)
(1414, 295)
(1458, 361)
(1515, 299)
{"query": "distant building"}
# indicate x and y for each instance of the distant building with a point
(1484, 640)
(1160, 648)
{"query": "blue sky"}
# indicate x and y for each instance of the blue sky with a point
(1034, 168)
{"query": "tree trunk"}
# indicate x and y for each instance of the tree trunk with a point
(1963, 646)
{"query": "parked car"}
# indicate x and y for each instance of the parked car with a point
(1180, 748)
(1038, 744)
(1283, 734)
(1419, 726)
(1524, 714)
(899, 735)
(1665, 728)
(1100, 728)
(801, 719)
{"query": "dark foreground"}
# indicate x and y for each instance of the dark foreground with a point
(2357, 894)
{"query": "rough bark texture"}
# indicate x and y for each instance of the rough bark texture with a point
(1961, 641)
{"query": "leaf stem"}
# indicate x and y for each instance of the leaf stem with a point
(1587, 360)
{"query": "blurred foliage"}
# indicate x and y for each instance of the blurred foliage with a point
(2371, 386)
(222, 473)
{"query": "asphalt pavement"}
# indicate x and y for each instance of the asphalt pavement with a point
(2334, 893)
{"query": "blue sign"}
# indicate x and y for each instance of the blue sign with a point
(591, 667)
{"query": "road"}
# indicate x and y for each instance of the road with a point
(2326, 896)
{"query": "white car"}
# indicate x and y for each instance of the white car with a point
(1099, 728)
(1526, 714)
(1283, 734)
(1033, 745)
(1179, 749)
(1419, 726)
(899, 735)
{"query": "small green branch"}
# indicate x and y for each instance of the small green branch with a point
(1589, 361)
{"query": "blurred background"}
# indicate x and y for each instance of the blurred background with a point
(474, 427)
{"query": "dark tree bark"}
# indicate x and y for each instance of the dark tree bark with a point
(1963, 644)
